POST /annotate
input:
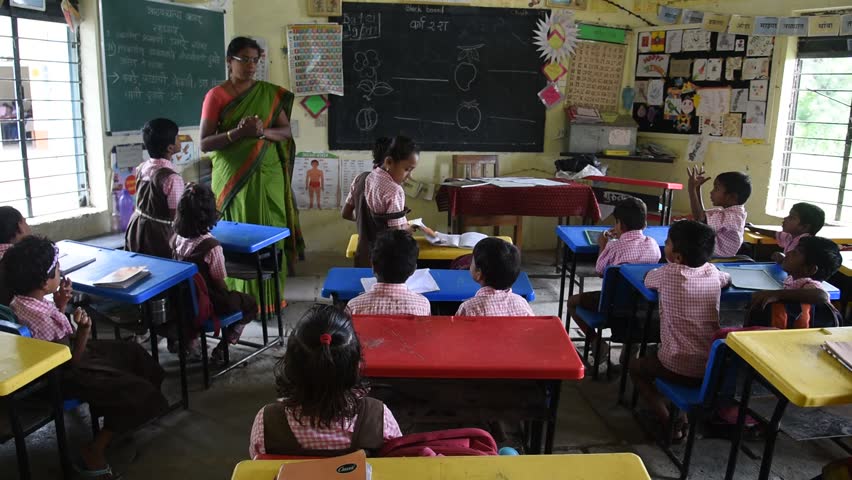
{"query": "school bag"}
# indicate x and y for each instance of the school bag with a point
(458, 442)
(204, 305)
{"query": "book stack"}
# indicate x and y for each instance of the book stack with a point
(583, 115)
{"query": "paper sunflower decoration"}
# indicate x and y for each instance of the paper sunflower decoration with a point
(556, 36)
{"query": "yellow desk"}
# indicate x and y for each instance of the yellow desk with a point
(796, 369)
(427, 250)
(838, 235)
(846, 266)
(623, 466)
(23, 361)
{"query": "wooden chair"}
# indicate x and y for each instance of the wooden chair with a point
(473, 166)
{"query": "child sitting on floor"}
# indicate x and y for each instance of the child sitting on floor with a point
(323, 410)
(13, 227)
(625, 243)
(689, 289)
(196, 216)
(813, 261)
(394, 260)
(730, 192)
(119, 380)
(804, 220)
(496, 265)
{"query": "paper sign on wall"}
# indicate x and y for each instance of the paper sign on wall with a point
(846, 24)
(766, 26)
(824, 26)
(741, 25)
(316, 181)
(692, 16)
(795, 26)
(668, 14)
(715, 22)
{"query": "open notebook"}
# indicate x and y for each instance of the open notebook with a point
(465, 240)
(420, 282)
(841, 351)
(751, 278)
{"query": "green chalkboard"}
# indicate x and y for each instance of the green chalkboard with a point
(159, 59)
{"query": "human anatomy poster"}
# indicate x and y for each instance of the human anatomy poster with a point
(316, 181)
(316, 59)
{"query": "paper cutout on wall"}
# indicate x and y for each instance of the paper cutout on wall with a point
(696, 150)
(760, 46)
(732, 125)
(315, 105)
(699, 69)
(725, 42)
(643, 44)
(758, 90)
(755, 131)
(713, 101)
(714, 69)
(740, 45)
(681, 68)
(652, 65)
(756, 112)
(732, 65)
(655, 92)
(696, 40)
(556, 36)
(739, 100)
(754, 68)
(710, 125)
(641, 91)
(674, 41)
(658, 42)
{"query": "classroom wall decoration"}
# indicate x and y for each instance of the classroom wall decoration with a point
(321, 181)
(708, 83)
(594, 78)
(315, 59)
(324, 8)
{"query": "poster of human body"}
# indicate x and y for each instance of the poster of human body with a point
(316, 180)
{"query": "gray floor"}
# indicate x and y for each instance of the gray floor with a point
(207, 440)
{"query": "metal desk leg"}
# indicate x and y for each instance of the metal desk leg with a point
(642, 348)
(771, 435)
(573, 274)
(183, 294)
(59, 420)
(277, 284)
(738, 433)
(262, 296)
(628, 345)
(556, 390)
(562, 283)
(665, 207)
(20, 439)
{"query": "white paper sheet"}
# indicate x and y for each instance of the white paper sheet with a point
(421, 281)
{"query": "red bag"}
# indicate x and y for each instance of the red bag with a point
(204, 305)
(459, 442)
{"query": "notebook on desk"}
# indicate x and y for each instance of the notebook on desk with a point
(420, 282)
(751, 278)
(124, 277)
(70, 263)
(592, 236)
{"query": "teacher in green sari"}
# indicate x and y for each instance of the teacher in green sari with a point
(245, 125)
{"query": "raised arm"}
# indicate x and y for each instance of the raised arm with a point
(697, 178)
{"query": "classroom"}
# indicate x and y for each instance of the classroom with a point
(545, 238)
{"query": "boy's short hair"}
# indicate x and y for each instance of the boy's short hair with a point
(395, 256)
(499, 261)
(157, 135)
(822, 253)
(694, 241)
(810, 215)
(631, 212)
(10, 219)
(27, 264)
(737, 183)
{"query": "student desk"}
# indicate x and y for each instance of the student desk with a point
(474, 348)
(165, 274)
(255, 240)
(838, 235)
(576, 243)
(667, 197)
(427, 250)
(22, 362)
(794, 366)
(344, 284)
(624, 466)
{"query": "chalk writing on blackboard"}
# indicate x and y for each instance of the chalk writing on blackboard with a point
(362, 26)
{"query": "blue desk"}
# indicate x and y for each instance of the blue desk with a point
(165, 274)
(253, 240)
(344, 284)
(576, 243)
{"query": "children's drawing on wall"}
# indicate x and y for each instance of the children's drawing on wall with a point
(652, 65)
(725, 42)
(697, 148)
(316, 181)
(758, 90)
(674, 41)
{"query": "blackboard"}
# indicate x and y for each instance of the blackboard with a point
(159, 60)
(453, 78)
(679, 111)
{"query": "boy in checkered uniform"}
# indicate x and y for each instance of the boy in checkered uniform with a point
(730, 191)
(689, 289)
(496, 265)
(394, 260)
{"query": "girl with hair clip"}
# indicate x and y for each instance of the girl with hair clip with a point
(376, 200)
(193, 242)
(323, 410)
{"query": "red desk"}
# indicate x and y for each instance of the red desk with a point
(667, 187)
(508, 348)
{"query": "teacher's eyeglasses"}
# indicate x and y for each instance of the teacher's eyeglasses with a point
(246, 60)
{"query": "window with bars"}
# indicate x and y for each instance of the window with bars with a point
(818, 137)
(42, 154)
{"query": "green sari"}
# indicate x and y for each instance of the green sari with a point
(251, 177)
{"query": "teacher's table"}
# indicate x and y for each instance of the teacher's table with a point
(624, 466)
(165, 274)
(796, 369)
(576, 243)
(473, 348)
(667, 197)
(427, 250)
(635, 275)
(344, 284)
(569, 200)
(22, 362)
(258, 242)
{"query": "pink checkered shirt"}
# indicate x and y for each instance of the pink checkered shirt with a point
(631, 247)
(789, 242)
(489, 302)
(729, 224)
(215, 258)
(172, 186)
(310, 438)
(389, 299)
(689, 314)
(384, 195)
(791, 283)
(42, 317)
(3, 248)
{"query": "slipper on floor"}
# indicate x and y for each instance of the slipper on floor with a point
(103, 473)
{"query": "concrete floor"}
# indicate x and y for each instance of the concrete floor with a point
(207, 440)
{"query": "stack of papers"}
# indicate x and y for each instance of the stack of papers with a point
(841, 351)
(420, 282)
(583, 115)
(521, 182)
